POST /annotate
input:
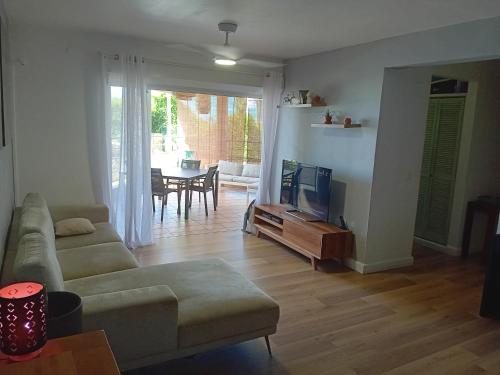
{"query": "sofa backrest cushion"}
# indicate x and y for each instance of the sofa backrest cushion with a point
(36, 260)
(251, 170)
(229, 167)
(35, 217)
(34, 200)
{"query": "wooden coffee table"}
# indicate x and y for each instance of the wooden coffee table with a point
(84, 354)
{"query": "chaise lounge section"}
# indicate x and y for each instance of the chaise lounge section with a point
(150, 314)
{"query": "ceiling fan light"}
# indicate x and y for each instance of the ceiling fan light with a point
(226, 62)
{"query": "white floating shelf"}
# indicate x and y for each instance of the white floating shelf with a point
(296, 105)
(301, 106)
(336, 126)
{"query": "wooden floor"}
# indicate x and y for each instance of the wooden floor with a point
(417, 320)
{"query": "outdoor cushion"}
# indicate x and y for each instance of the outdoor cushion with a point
(251, 170)
(229, 167)
(95, 260)
(214, 300)
(36, 261)
(104, 233)
(246, 180)
(73, 227)
(225, 177)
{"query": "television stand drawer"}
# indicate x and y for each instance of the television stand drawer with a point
(299, 231)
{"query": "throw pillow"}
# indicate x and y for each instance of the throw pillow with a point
(251, 170)
(73, 227)
(228, 167)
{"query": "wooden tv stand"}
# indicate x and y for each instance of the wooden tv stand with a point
(315, 240)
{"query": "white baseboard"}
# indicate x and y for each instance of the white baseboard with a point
(388, 264)
(355, 265)
(385, 265)
(445, 249)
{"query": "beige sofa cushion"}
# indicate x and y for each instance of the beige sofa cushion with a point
(73, 227)
(229, 167)
(36, 261)
(139, 323)
(35, 216)
(96, 213)
(104, 233)
(251, 170)
(215, 301)
(35, 220)
(95, 260)
(34, 200)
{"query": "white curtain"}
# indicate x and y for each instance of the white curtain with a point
(271, 98)
(125, 155)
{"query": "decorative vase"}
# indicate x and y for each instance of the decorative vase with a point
(303, 96)
(309, 98)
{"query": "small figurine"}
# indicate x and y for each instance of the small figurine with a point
(347, 121)
(294, 100)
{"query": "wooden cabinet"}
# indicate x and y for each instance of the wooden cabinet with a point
(316, 240)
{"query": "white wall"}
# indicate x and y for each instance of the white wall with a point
(351, 80)
(56, 86)
(396, 175)
(6, 153)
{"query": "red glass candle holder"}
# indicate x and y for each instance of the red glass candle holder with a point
(23, 324)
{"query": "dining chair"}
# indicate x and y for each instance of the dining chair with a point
(161, 189)
(205, 185)
(190, 164)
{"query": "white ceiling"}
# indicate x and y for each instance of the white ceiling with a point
(274, 28)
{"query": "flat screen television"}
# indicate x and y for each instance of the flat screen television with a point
(306, 188)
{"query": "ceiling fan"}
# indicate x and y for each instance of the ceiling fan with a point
(226, 54)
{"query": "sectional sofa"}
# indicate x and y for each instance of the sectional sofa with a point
(150, 314)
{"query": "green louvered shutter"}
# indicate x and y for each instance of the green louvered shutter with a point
(425, 173)
(439, 164)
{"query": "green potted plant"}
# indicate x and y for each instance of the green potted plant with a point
(328, 117)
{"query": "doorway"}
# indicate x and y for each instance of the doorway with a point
(439, 167)
(207, 129)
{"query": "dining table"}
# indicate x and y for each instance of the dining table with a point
(186, 176)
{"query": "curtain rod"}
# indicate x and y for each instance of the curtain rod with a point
(184, 65)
